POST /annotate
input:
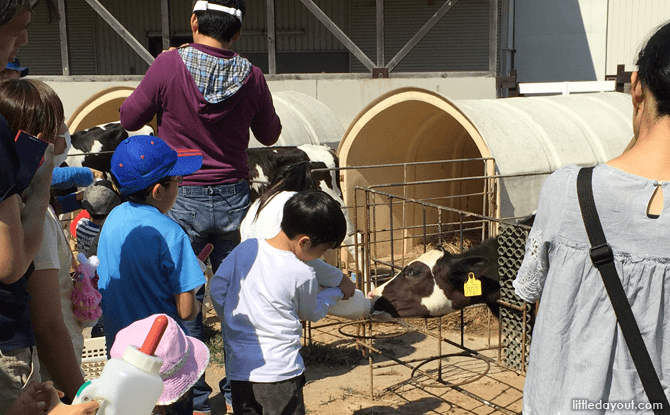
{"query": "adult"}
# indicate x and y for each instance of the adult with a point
(578, 350)
(20, 228)
(208, 97)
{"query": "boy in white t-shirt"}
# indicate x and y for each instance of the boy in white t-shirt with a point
(262, 290)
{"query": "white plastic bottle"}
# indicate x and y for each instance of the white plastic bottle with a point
(128, 386)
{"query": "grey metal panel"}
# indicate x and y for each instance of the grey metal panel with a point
(297, 28)
(459, 42)
(629, 24)
(81, 44)
(42, 53)
(115, 56)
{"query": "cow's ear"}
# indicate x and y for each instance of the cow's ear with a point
(460, 268)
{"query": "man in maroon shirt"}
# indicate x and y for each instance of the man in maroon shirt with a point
(207, 98)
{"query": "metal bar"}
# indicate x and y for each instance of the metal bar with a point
(391, 226)
(272, 38)
(118, 28)
(64, 44)
(380, 34)
(493, 36)
(444, 208)
(338, 33)
(165, 24)
(420, 34)
(416, 163)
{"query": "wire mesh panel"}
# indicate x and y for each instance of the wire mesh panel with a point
(515, 320)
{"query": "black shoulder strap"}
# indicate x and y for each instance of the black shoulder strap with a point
(603, 259)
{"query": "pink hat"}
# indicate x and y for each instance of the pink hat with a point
(184, 358)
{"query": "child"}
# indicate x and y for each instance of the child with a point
(261, 292)
(147, 265)
(184, 361)
(99, 199)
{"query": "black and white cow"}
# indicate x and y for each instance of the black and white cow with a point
(99, 143)
(432, 285)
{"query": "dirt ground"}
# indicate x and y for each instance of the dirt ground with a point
(339, 380)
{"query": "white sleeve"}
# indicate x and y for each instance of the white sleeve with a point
(313, 306)
(47, 254)
(326, 274)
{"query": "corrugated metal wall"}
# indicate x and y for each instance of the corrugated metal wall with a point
(459, 42)
(42, 53)
(629, 24)
(297, 28)
(80, 18)
(115, 56)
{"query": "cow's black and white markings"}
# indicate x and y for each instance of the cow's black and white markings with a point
(99, 143)
(432, 285)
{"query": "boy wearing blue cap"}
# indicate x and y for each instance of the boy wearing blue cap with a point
(147, 265)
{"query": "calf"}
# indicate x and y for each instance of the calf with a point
(264, 162)
(98, 143)
(432, 285)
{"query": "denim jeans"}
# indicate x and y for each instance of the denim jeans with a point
(210, 214)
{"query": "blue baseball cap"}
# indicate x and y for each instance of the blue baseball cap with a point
(143, 160)
(16, 66)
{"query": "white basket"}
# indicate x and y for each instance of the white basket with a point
(93, 357)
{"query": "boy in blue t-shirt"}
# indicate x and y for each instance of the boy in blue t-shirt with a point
(262, 290)
(147, 265)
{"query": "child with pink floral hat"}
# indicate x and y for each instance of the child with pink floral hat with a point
(184, 361)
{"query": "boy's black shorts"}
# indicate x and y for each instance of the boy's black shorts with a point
(276, 398)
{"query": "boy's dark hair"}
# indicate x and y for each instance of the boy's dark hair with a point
(140, 196)
(653, 63)
(315, 214)
(220, 25)
(10, 8)
(290, 178)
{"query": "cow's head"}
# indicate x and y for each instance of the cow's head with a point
(432, 285)
(100, 142)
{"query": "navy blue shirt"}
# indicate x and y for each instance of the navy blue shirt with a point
(15, 329)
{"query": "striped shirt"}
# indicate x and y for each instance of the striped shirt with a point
(87, 231)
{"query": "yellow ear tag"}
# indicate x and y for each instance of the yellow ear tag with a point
(473, 287)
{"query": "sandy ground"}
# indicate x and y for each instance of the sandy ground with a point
(339, 376)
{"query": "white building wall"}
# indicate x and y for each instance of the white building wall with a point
(560, 40)
(630, 23)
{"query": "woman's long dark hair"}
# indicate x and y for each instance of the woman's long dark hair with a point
(653, 63)
(290, 178)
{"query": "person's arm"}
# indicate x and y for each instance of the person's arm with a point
(21, 228)
(313, 306)
(70, 202)
(330, 276)
(144, 102)
(266, 125)
(51, 336)
(187, 306)
(67, 177)
(38, 397)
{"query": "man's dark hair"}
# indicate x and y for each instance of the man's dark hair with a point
(10, 8)
(220, 25)
(315, 214)
(653, 63)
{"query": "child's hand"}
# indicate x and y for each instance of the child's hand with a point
(347, 286)
(35, 399)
